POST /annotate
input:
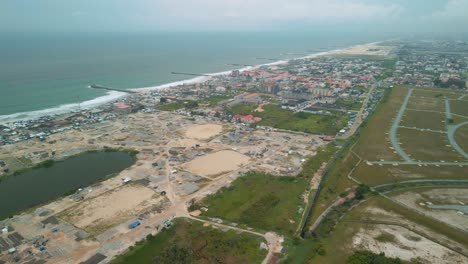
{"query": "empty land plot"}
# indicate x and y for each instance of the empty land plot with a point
(344, 239)
(459, 107)
(261, 201)
(436, 93)
(461, 136)
(427, 146)
(424, 120)
(457, 120)
(426, 104)
(418, 200)
(375, 174)
(374, 143)
(189, 241)
(444, 195)
(203, 131)
(109, 209)
(217, 163)
(399, 242)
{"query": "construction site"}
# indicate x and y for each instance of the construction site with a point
(179, 160)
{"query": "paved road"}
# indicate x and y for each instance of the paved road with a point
(424, 129)
(394, 128)
(448, 113)
(359, 115)
(421, 181)
(451, 129)
(422, 163)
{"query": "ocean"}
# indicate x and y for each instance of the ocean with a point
(49, 73)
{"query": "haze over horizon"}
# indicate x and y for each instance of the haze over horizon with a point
(395, 16)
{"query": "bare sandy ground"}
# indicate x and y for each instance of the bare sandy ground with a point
(203, 131)
(418, 201)
(111, 208)
(406, 245)
(368, 49)
(216, 163)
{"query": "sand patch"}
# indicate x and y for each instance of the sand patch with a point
(418, 201)
(367, 49)
(203, 131)
(259, 109)
(406, 245)
(216, 163)
(111, 208)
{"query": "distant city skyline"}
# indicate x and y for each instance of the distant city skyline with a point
(233, 15)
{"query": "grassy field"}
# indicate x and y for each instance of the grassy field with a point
(173, 106)
(459, 107)
(215, 99)
(335, 184)
(425, 120)
(336, 247)
(349, 105)
(314, 163)
(427, 146)
(427, 104)
(437, 93)
(190, 242)
(260, 201)
(376, 175)
(275, 116)
(373, 143)
(461, 136)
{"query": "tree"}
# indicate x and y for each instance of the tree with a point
(367, 257)
(174, 255)
(361, 190)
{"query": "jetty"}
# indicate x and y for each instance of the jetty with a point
(191, 74)
(236, 64)
(271, 59)
(96, 86)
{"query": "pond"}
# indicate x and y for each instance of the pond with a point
(39, 185)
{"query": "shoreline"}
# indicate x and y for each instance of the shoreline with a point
(112, 96)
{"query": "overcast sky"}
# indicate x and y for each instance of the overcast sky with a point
(237, 15)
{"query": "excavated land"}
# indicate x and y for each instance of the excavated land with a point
(179, 159)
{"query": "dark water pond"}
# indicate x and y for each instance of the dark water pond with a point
(39, 185)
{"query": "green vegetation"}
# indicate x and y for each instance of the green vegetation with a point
(461, 136)
(361, 257)
(349, 104)
(260, 201)
(385, 237)
(190, 242)
(460, 84)
(215, 99)
(307, 250)
(313, 164)
(173, 106)
(275, 116)
(335, 182)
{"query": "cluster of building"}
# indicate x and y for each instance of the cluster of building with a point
(324, 83)
(432, 63)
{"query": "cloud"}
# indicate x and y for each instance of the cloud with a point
(451, 17)
(261, 12)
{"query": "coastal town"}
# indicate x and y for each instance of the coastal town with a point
(190, 141)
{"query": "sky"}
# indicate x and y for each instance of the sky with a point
(233, 15)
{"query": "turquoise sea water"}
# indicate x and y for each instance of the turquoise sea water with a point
(41, 71)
